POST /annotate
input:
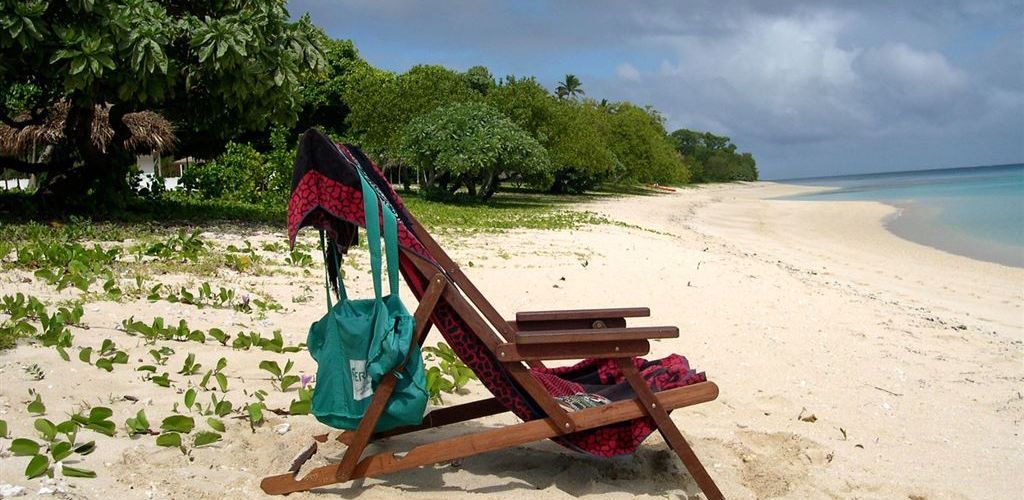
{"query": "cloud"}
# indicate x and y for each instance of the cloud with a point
(627, 71)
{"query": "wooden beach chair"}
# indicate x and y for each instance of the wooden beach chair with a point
(630, 397)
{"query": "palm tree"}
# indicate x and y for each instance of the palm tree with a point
(570, 87)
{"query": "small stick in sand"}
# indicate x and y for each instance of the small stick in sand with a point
(886, 390)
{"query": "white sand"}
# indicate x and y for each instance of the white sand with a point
(791, 307)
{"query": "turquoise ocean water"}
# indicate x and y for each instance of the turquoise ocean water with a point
(975, 211)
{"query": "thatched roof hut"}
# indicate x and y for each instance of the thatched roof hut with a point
(149, 132)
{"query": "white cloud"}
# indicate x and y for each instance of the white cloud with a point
(627, 71)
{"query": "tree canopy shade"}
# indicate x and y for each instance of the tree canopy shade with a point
(472, 145)
(211, 67)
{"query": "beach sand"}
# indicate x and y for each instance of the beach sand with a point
(910, 361)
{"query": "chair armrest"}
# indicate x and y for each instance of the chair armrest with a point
(577, 318)
(595, 335)
(559, 315)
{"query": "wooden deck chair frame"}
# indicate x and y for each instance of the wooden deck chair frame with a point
(532, 338)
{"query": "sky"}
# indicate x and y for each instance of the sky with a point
(810, 88)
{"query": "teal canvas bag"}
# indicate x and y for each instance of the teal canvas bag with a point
(359, 341)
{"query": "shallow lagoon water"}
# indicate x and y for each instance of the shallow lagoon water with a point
(977, 212)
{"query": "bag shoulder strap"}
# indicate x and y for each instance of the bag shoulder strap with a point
(380, 210)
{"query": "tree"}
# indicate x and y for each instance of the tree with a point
(570, 87)
(479, 79)
(527, 103)
(713, 157)
(475, 146)
(214, 68)
(323, 97)
(639, 142)
(578, 146)
(383, 103)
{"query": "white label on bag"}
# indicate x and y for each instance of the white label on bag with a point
(360, 379)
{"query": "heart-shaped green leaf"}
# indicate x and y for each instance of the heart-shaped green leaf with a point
(206, 437)
(178, 423)
(37, 466)
(85, 355)
(190, 398)
(300, 407)
(223, 408)
(100, 413)
(24, 447)
(36, 407)
(215, 424)
(60, 451)
(86, 448)
(169, 439)
(105, 427)
(105, 364)
(222, 381)
(272, 367)
(76, 472)
(67, 427)
(46, 428)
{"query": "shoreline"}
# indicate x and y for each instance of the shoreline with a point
(919, 223)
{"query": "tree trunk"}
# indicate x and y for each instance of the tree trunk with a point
(102, 175)
(489, 187)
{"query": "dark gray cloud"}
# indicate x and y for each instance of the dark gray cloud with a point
(811, 88)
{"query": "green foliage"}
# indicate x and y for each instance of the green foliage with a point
(53, 328)
(323, 96)
(640, 144)
(36, 407)
(382, 103)
(243, 174)
(303, 404)
(158, 331)
(479, 79)
(282, 379)
(714, 158)
(64, 265)
(59, 441)
(108, 353)
(178, 246)
(527, 103)
(578, 143)
(245, 341)
(239, 174)
(569, 87)
(138, 424)
(449, 375)
(241, 63)
(217, 375)
(475, 146)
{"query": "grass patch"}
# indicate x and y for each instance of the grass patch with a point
(507, 210)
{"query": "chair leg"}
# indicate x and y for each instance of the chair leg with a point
(669, 430)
